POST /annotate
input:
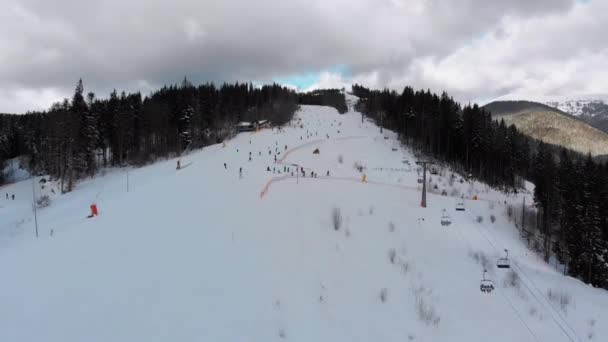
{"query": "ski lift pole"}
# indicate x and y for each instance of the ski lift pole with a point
(34, 205)
(424, 163)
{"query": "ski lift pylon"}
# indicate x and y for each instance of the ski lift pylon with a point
(504, 262)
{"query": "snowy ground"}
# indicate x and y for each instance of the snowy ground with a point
(201, 254)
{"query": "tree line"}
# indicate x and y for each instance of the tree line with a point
(77, 137)
(571, 190)
(325, 97)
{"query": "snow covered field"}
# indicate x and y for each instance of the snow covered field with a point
(202, 254)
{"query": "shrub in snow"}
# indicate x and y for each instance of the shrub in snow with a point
(336, 218)
(43, 201)
(482, 259)
(426, 312)
(492, 218)
(563, 299)
(479, 219)
(392, 254)
(512, 279)
(405, 266)
(383, 295)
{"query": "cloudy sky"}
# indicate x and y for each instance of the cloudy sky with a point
(477, 50)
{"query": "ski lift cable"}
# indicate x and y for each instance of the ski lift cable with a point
(527, 287)
(517, 313)
(551, 308)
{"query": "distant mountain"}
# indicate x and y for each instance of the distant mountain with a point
(594, 111)
(551, 125)
(501, 108)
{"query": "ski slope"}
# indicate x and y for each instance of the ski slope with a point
(203, 254)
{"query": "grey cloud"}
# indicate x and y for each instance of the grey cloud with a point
(124, 43)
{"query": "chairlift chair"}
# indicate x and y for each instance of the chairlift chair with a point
(460, 205)
(486, 285)
(445, 218)
(504, 262)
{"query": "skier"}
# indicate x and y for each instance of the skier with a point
(13, 197)
(285, 147)
(241, 172)
(268, 169)
(249, 158)
(327, 173)
(225, 166)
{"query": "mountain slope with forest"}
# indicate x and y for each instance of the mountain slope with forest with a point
(550, 125)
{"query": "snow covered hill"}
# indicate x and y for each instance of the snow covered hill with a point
(208, 253)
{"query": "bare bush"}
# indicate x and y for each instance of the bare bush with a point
(512, 279)
(383, 295)
(336, 218)
(560, 297)
(392, 255)
(43, 201)
(426, 312)
(479, 219)
(482, 259)
(405, 266)
(492, 218)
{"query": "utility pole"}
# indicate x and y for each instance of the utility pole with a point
(34, 204)
(424, 163)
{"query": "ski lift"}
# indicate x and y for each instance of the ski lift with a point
(486, 285)
(460, 205)
(504, 262)
(445, 219)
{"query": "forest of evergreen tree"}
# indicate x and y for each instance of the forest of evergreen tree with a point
(75, 138)
(571, 190)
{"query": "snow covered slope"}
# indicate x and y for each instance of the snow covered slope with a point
(203, 254)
